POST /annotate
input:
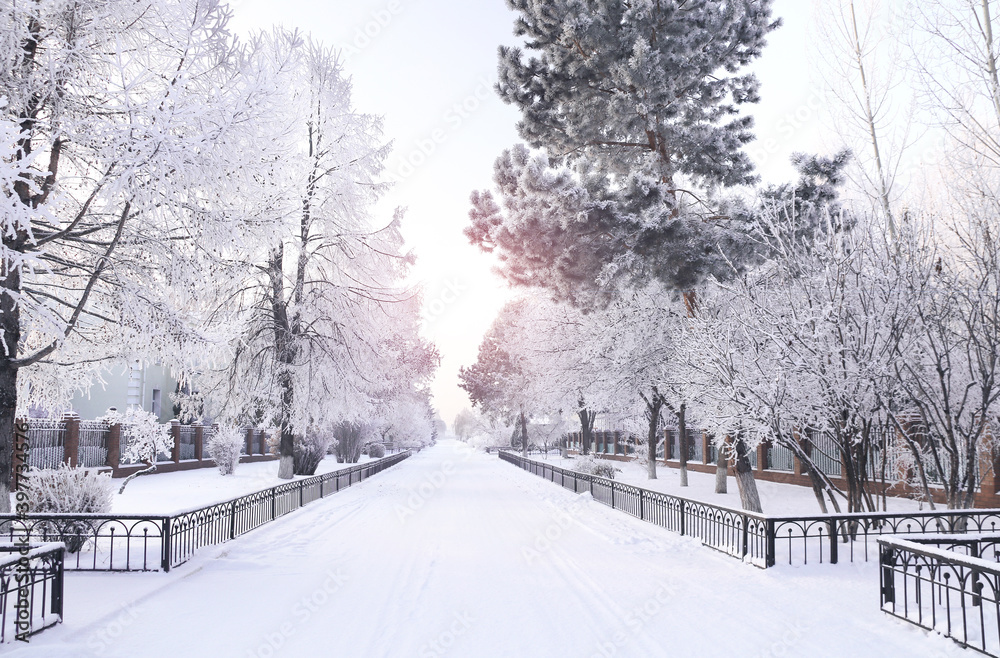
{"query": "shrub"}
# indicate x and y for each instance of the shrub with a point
(309, 452)
(590, 465)
(225, 447)
(66, 490)
(376, 451)
(350, 438)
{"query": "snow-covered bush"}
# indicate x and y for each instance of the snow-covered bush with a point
(225, 447)
(590, 465)
(376, 451)
(310, 449)
(142, 438)
(66, 490)
(350, 437)
(142, 435)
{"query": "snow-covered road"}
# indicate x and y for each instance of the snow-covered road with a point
(457, 553)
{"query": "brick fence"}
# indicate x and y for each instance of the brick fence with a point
(76, 442)
(616, 445)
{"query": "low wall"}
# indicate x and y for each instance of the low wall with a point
(184, 465)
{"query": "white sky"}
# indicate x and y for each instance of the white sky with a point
(428, 67)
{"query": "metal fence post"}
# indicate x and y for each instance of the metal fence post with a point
(888, 585)
(57, 586)
(165, 544)
(642, 510)
(745, 538)
(683, 511)
(274, 503)
(232, 520)
(769, 558)
(612, 495)
(833, 541)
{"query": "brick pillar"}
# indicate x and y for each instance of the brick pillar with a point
(71, 439)
(175, 432)
(666, 445)
(704, 447)
(250, 434)
(796, 462)
(199, 441)
(987, 466)
(114, 445)
(761, 456)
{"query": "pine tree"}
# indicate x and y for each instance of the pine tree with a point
(638, 109)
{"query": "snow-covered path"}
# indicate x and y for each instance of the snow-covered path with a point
(457, 553)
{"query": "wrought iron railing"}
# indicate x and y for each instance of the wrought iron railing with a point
(779, 458)
(93, 448)
(187, 437)
(760, 539)
(153, 542)
(944, 585)
(734, 532)
(31, 589)
(46, 442)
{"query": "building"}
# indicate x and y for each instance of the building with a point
(132, 384)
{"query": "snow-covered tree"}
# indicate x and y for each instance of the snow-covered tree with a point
(328, 333)
(142, 439)
(638, 109)
(129, 137)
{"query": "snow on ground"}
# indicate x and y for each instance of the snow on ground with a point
(776, 499)
(454, 552)
(169, 493)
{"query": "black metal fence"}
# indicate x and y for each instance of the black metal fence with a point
(47, 439)
(759, 539)
(31, 589)
(186, 443)
(93, 449)
(150, 543)
(944, 584)
(734, 532)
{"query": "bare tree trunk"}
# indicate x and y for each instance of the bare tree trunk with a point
(285, 355)
(749, 497)
(524, 434)
(654, 406)
(8, 413)
(587, 419)
(682, 447)
(883, 180)
(721, 470)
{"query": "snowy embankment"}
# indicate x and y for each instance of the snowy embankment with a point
(169, 493)
(776, 499)
(457, 553)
